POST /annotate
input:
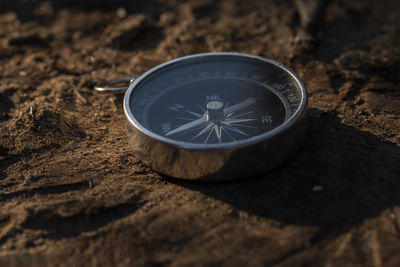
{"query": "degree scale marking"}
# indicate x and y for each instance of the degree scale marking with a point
(256, 78)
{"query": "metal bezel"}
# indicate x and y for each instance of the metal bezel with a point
(229, 145)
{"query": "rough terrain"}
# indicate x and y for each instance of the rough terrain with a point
(73, 194)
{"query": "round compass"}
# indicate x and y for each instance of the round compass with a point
(216, 116)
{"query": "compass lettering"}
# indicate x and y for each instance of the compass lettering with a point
(176, 107)
(278, 86)
(266, 119)
(213, 97)
(166, 127)
(292, 97)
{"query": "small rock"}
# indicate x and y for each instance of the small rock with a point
(121, 12)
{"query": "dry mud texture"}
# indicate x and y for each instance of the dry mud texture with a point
(73, 194)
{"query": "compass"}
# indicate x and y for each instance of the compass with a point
(216, 116)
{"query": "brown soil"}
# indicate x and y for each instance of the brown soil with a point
(73, 194)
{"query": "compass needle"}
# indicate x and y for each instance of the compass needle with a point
(234, 129)
(186, 119)
(248, 102)
(229, 121)
(208, 128)
(241, 125)
(194, 114)
(186, 126)
(227, 133)
(208, 136)
(218, 132)
(239, 115)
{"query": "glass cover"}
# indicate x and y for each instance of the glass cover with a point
(215, 99)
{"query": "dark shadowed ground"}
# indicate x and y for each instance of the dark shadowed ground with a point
(73, 194)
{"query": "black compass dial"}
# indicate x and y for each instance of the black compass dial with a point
(215, 100)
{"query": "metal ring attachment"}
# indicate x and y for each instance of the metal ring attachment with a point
(114, 85)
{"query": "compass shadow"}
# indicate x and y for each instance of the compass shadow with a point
(341, 177)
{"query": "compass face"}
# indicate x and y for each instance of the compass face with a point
(214, 99)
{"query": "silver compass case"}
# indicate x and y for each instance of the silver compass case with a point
(216, 116)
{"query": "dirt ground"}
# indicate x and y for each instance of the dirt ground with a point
(73, 194)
